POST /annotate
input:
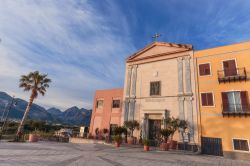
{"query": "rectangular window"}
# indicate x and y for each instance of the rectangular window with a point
(229, 68)
(116, 104)
(204, 69)
(155, 88)
(240, 144)
(207, 99)
(99, 104)
(235, 101)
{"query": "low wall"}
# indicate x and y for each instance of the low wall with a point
(85, 141)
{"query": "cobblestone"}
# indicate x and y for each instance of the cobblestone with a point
(67, 154)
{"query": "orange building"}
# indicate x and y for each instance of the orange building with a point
(107, 109)
(223, 87)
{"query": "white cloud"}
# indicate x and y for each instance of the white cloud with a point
(71, 41)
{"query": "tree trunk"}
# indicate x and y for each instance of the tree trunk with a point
(20, 128)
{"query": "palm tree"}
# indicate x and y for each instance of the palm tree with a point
(36, 83)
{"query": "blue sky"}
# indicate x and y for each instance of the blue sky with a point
(83, 44)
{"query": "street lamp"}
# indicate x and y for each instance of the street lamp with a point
(6, 114)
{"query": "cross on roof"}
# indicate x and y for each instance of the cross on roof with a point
(155, 36)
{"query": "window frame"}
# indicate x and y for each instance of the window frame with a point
(234, 96)
(97, 103)
(244, 139)
(236, 64)
(113, 103)
(212, 97)
(150, 89)
(210, 68)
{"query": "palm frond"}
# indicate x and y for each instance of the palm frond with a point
(36, 82)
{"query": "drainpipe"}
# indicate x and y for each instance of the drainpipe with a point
(197, 89)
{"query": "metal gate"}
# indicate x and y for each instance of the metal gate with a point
(154, 132)
(154, 129)
(211, 146)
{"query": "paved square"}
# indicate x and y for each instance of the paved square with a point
(62, 154)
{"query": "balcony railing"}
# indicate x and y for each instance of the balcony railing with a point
(229, 75)
(236, 110)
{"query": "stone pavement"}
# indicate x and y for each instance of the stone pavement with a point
(62, 154)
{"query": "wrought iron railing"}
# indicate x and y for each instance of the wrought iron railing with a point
(236, 109)
(237, 74)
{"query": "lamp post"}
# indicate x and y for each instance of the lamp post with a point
(6, 114)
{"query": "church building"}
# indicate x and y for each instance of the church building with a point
(160, 82)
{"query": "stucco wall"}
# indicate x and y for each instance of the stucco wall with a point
(213, 124)
(102, 118)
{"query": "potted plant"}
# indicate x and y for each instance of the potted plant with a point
(146, 144)
(100, 135)
(173, 126)
(33, 137)
(118, 135)
(96, 133)
(105, 132)
(165, 134)
(131, 126)
(118, 130)
(118, 140)
(182, 127)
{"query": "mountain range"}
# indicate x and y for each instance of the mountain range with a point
(71, 116)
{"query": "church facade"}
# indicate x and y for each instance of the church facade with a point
(207, 88)
(160, 82)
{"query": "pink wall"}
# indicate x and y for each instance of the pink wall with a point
(102, 118)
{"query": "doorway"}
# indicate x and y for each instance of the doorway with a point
(211, 146)
(154, 129)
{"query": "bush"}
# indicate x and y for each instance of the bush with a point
(146, 142)
(97, 131)
(131, 125)
(166, 133)
(118, 138)
(105, 131)
(119, 130)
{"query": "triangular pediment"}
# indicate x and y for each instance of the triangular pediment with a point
(158, 48)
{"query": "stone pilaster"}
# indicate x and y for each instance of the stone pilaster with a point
(180, 88)
(181, 113)
(145, 127)
(164, 116)
(133, 81)
(128, 81)
(132, 110)
(189, 104)
(181, 108)
(188, 76)
(180, 75)
(126, 110)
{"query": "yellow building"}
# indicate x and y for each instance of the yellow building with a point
(222, 76)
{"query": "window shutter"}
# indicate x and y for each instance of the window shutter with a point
(201, 70)
(204, 69)
(230, 68)
(210, 101)
(203, 99)
(207, 69)
(225, 103)
(226, 64)
(244, 100)
(232, 64)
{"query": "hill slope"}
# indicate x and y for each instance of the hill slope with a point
(71, 116)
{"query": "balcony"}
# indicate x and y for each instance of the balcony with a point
(236, 110)
(232, 75)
